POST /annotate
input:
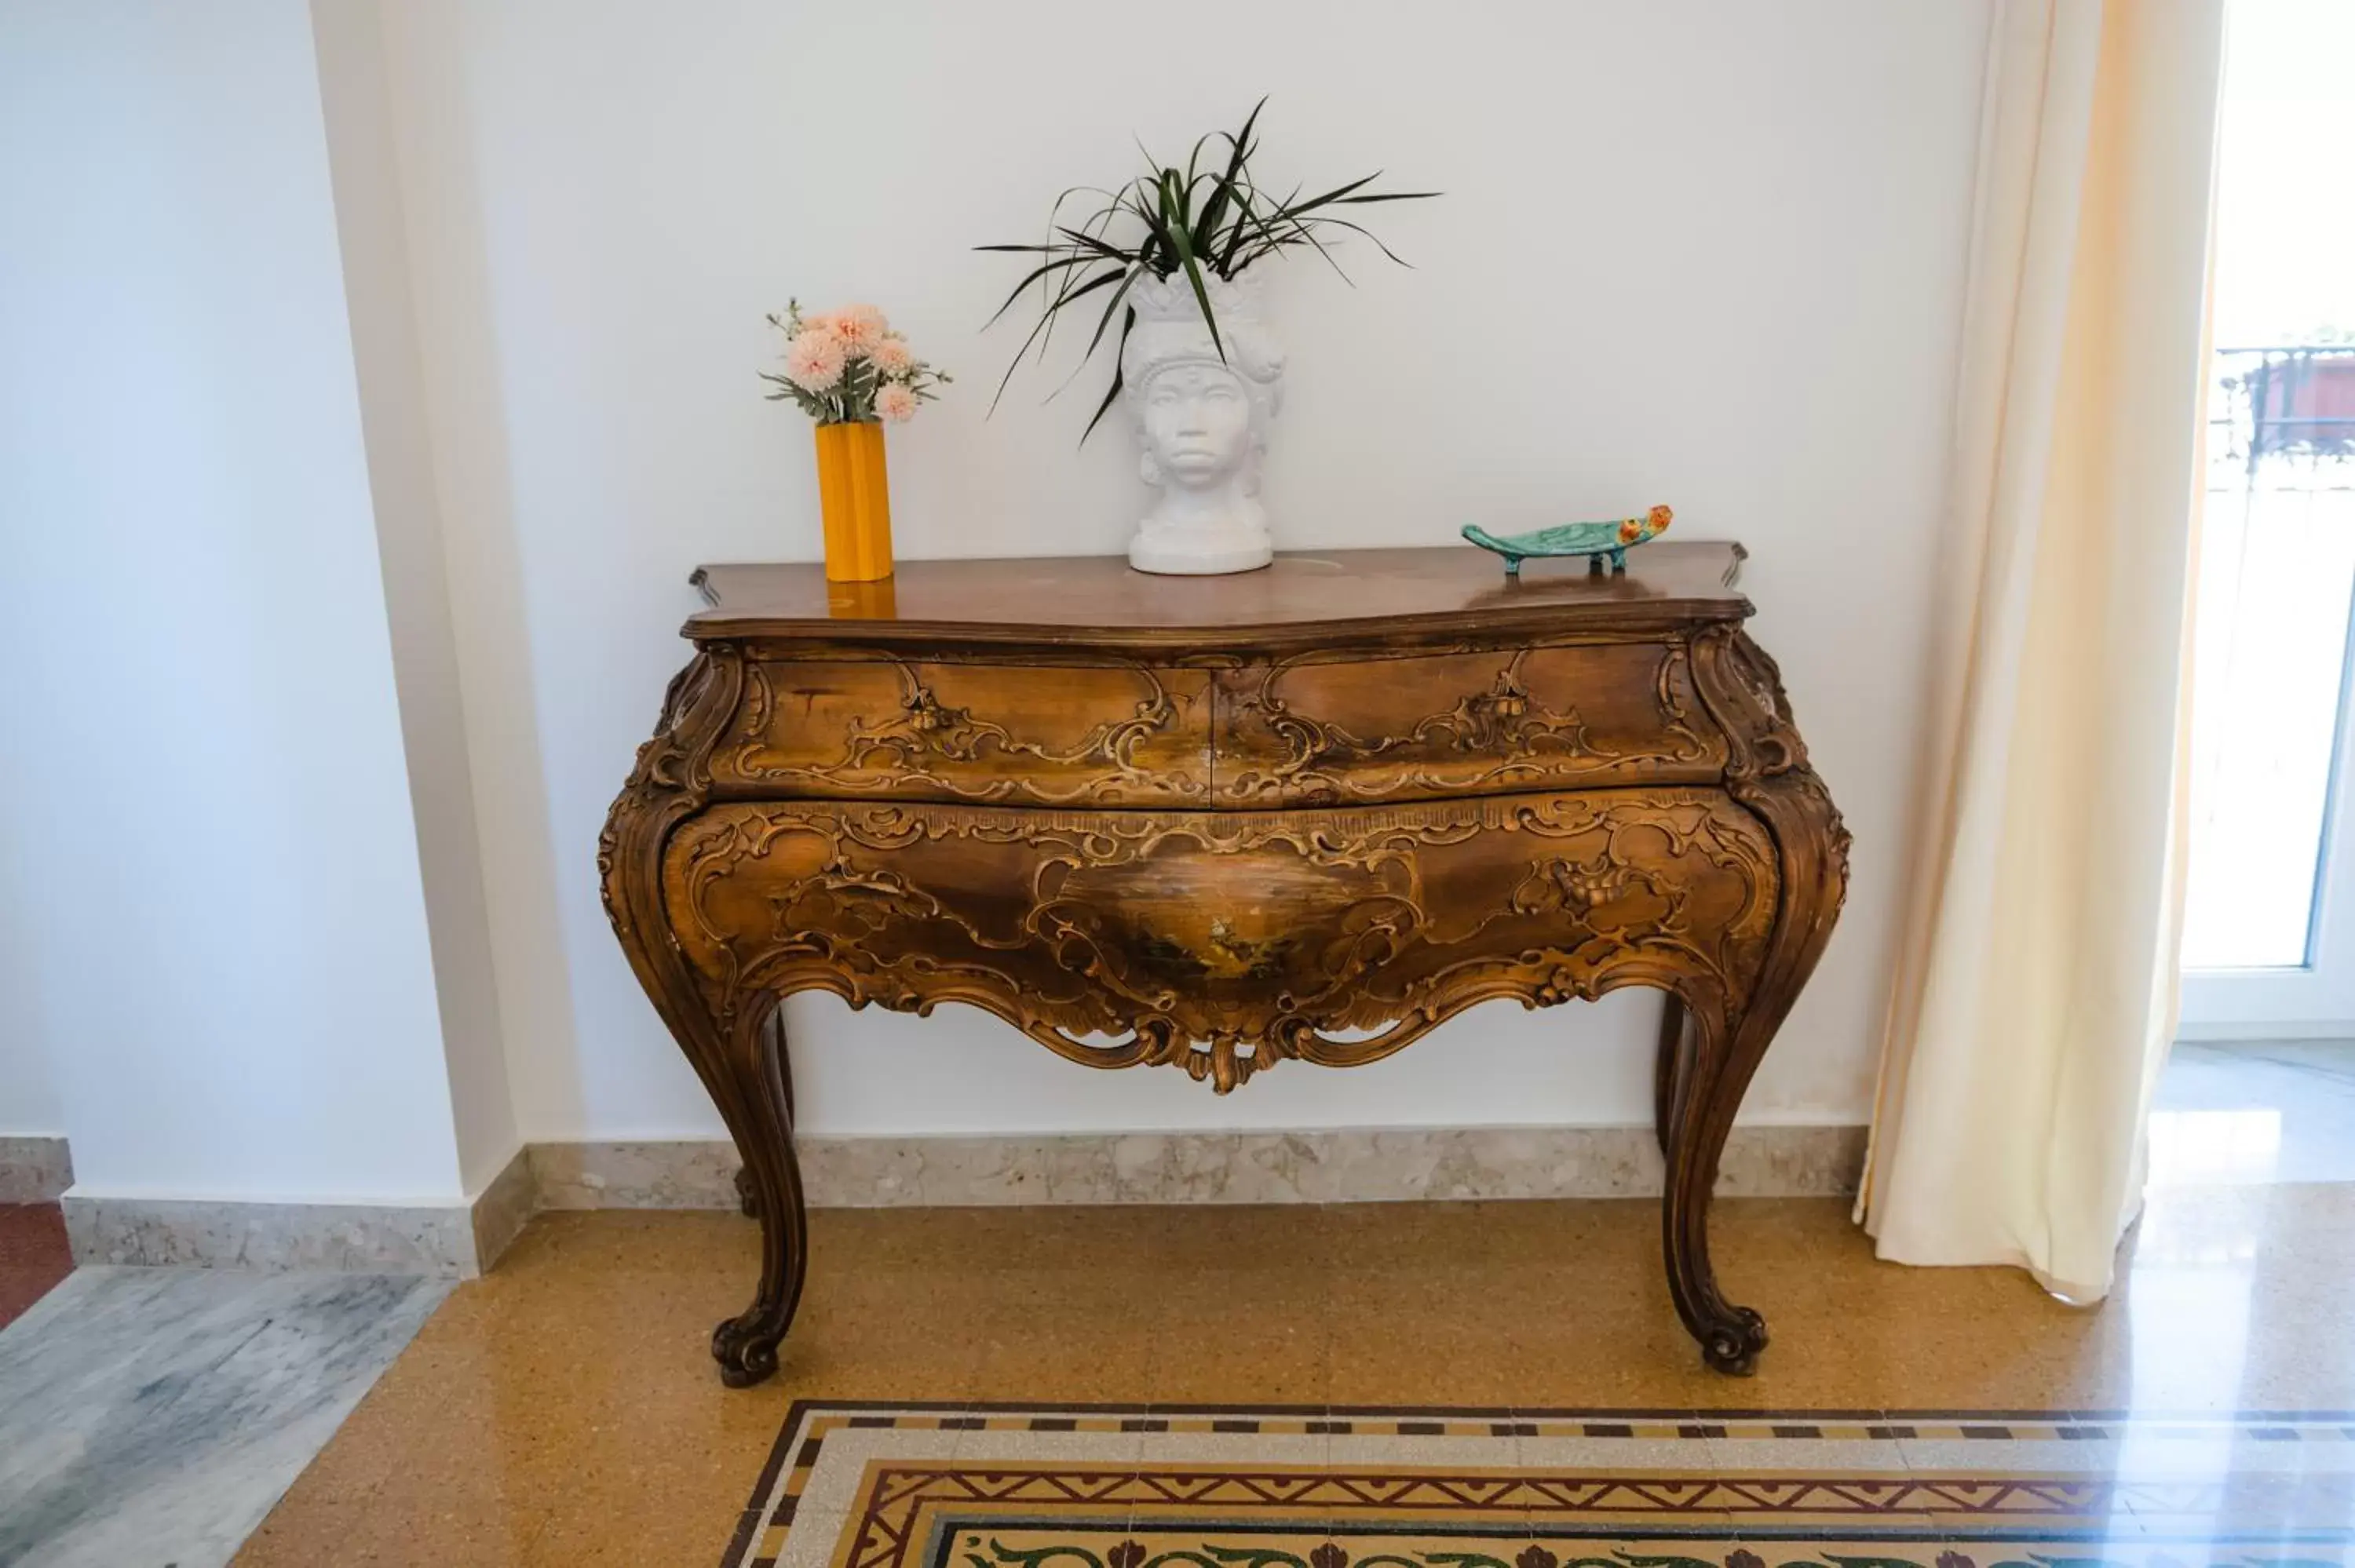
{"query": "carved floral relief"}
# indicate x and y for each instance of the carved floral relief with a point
(1196, 937)
(1306, 731)
(1049, 735)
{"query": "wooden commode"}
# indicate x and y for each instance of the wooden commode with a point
(1215, 824)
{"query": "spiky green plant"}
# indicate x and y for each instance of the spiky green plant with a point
(1205, 222)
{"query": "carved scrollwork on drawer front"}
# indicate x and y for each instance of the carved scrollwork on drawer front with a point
(1314, 731)
(1221, 941)
(1126, 735)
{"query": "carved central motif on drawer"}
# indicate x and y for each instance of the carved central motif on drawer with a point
(1219, 941)
(1042, 735)
(1315, 731)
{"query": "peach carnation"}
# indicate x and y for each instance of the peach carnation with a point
(892, 357)
(895, 402)
(814, 359)
(860, 327)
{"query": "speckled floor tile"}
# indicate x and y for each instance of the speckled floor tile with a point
(564, 1408)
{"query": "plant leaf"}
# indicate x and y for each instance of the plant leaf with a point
(1099, 250)
(1031, 277)
(1262, 223)
(1295, 209)
(1223, 192)
(1038, 334)
(1214, 219)
(1112, 393)
(1370, 234)
(1105, 320)
(1184, 247)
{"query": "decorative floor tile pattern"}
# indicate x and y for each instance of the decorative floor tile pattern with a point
(857, 1485)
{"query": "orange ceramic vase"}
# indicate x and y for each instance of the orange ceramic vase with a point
(854, 493)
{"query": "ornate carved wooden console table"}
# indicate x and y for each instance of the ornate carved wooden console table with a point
(1218, 823)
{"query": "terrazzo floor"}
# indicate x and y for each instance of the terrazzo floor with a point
(563, 1410)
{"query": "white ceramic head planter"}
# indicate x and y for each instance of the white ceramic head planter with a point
(1202, 423)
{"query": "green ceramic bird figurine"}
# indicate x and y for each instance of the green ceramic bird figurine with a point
(1597, 541)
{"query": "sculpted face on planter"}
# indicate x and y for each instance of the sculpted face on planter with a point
(1198, 427)
(1202, 422)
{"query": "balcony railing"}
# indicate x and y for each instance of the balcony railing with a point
(2294, 400)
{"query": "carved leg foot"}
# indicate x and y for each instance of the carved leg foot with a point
(746, 1347)
(1732, 1346)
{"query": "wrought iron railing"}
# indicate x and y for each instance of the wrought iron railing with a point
(2294, 401)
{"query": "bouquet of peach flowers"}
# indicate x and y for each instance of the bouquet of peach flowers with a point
(847, 365)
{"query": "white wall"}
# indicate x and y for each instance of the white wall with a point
(373, 231)
(216, 927)
(1706, 253)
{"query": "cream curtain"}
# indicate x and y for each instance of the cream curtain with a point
(2035, 995)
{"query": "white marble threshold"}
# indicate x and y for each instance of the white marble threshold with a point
(159, 1413)
(1346, 1166)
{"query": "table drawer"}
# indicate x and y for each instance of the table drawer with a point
(1242, 926)
(1326, 730)
(1044, 734)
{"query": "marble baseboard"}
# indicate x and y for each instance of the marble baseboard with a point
(1389, 1165)
(505, 1207)
(34, 1170)
(695, 1174)
(352, 1237)
(456, 1241)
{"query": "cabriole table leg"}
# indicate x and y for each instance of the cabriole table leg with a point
(759, 1112)
(1717, 1044)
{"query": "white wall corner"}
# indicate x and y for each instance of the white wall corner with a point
(237, 995)
(372, 231)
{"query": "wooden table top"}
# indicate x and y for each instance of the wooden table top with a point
(1304, 596)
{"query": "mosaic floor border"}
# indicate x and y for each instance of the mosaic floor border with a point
(853, 1483)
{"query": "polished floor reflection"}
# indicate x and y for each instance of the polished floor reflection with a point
(2263, 1110)
(564, 1409)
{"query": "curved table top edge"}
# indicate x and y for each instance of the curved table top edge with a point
(1404, 597)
